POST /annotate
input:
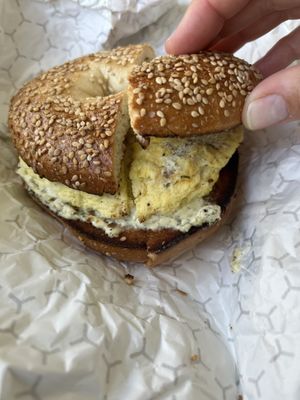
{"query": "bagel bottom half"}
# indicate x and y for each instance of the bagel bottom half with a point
(155, 247)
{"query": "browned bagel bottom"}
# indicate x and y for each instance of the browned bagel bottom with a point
(155, 247)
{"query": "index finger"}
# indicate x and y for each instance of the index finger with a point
(201, 23)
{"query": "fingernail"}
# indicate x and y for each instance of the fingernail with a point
(265, 112)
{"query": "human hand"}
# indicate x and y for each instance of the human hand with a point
(226, 25)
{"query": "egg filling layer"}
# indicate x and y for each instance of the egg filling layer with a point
(169, 182)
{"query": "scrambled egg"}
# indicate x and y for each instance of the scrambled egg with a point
(167, 185)
(172, 172)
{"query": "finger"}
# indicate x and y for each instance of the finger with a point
(281, 55)
(274, 100)
(232, 43)
(253, 12)
(202, 22)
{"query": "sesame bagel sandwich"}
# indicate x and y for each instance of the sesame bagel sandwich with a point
(136, 155)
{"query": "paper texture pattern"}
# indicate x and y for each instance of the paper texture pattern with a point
(71, 328)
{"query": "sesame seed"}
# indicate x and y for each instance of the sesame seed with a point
(201, 110)
(199, 98)
(226, 113)
(222, 103)
(142, 112)
(209, 91)
(194, 114)
(177, 106)
(190, 102)
(163, 122)
(160, 114)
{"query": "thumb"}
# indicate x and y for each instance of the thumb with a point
(275, 100)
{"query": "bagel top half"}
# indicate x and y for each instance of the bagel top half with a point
(69, 123)
(189, 95)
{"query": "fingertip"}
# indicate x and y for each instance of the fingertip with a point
(169, 45)
(260, 113)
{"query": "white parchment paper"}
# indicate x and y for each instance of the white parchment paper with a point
(71, 328)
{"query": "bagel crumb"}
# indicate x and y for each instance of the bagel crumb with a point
(181, 292)
(195, 358)
(129, 279)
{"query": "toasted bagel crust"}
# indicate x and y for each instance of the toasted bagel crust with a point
(189, 95)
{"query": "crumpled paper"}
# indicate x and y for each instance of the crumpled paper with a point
(72, 328)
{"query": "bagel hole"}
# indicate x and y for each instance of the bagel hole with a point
(99, 81)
